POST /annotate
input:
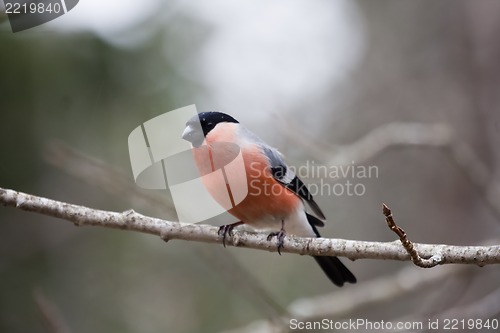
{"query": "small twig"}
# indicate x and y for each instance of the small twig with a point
(434, 260)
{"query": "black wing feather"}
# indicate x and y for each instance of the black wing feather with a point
(280, 172)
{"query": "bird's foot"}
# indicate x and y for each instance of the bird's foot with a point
(227, 229)
(280, 236)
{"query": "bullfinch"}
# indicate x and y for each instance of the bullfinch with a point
(275, 197)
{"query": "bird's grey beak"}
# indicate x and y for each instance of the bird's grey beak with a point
(193, 135)
(187, 134)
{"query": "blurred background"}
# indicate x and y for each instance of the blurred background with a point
(412, 88)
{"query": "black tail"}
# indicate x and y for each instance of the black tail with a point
(335, 270)
(332, 266)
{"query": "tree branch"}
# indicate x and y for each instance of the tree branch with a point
(167, 230)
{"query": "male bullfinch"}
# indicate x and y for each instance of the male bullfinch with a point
(275, 198)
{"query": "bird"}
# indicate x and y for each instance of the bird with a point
(276, 196)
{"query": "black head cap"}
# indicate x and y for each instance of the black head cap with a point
(207, 120)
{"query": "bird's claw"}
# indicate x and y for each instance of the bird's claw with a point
(280, 236)
(227, 229)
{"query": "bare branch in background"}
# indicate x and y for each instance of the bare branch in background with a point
(343, 302)
(101, 175)
(486, 307)
(51, 316)
(392, 134)
(130, 220)
(370, 145)
(435, 135)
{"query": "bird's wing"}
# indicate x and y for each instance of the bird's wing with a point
(287, 178)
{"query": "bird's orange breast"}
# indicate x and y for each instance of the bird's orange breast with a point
(223, 177)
